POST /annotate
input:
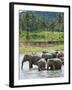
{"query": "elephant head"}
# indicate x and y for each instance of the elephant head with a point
(41, 64)
(54, 64)
(60, 54)
(25, 58)
(32, 59)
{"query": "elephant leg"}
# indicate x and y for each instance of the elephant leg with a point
(43, 67)
(48, 67)
(30, 65)
(46, 59)
(39, 69)
(59, 67)
(53, 67)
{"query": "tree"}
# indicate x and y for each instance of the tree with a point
(28, 22)
(60, 22)
(52, 26)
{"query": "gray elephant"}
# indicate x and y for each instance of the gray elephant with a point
(46, 56)
(41, 64)
(49, 55)
(62, 59)
(32, 59)
(60, 54)
(54, 64)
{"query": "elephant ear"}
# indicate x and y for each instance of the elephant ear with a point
(26, 57)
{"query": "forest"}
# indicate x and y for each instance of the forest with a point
(41, 27)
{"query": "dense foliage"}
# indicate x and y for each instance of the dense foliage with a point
(41, 26)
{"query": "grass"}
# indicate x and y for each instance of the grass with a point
(43, 36)
(40, 49)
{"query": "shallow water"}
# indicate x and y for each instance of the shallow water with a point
(33, 73)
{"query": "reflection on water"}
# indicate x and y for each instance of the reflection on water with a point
(34, 73)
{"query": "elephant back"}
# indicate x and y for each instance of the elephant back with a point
(34, 59)
(54, 61)
(47, 56)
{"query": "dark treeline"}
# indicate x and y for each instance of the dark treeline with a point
(38, 21)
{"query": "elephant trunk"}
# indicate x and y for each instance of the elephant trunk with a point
(22, 65)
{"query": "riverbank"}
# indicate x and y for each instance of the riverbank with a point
(30, 49)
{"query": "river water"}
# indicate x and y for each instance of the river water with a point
(33, 73)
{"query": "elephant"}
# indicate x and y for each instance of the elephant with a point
(60, 54)
(46, 56)
(32, 59)
(62, 59)
(49, 55)
(54, 64)
(41, 64)
(54, 54)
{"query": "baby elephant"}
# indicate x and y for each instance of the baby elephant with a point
(54, 64)
(41, 64)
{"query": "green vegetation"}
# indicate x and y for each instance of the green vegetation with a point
(43, 36)
(40, 27)
(34, 23)
(40, 49)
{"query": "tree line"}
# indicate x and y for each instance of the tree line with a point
(29, 21)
